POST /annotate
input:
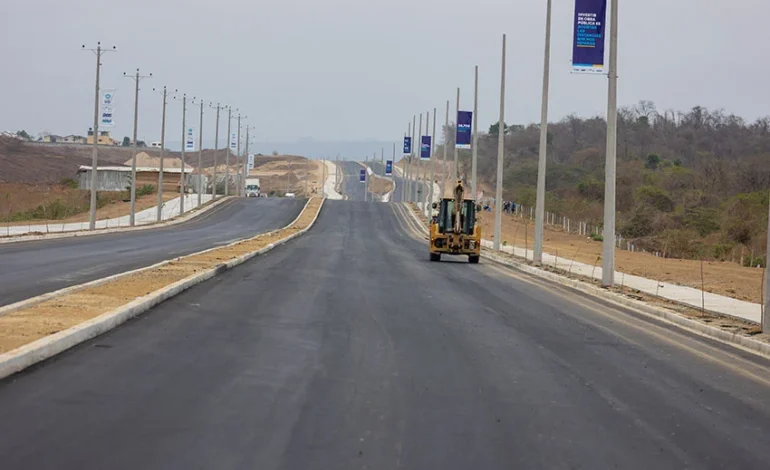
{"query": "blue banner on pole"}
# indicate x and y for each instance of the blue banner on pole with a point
(463, 136)
(407, 145)
(588, 40)
(363, 176)
(388, 167)
(425, 145)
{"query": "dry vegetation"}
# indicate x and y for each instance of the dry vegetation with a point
(26, 325)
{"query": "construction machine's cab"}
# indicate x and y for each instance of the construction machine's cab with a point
(454, 230)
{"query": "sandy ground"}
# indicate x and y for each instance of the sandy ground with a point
(116, 208)
(722, 278)
(379, 185)
(24, 326)
(273, 176)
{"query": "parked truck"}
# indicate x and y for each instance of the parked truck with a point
(252, 187)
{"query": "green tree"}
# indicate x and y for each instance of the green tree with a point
(23, 134)
(653, 160)
(126, 142)
(493, 129)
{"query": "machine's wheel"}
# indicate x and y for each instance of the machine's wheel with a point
(473, 259)
(435, 256)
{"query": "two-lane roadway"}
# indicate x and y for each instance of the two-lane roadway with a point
(348, 349)
(37, 267)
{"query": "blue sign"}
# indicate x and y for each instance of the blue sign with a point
(407, 145)
(388, 167)
(463, 136)
(363, 176)
(588, 44)
(425, 148)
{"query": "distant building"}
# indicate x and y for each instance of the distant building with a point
(104, 138)
(52, 139)
(75, 139)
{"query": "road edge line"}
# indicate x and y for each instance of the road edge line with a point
(18, 359)
(191, 214)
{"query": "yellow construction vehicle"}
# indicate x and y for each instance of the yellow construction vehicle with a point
(454, 231)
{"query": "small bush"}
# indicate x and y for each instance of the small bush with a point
(750, 262)
(69, 182)
(596, 237)
(145, 189)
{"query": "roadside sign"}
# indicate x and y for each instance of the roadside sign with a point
(363, 176)
(388, 167)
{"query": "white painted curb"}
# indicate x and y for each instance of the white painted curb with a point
(83, 233)
(19, 359)
(741, 342)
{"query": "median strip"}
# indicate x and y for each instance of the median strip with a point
(39, 330)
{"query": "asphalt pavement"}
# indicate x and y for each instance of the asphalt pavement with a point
(346, 348)
(352, 187)
(36, 267)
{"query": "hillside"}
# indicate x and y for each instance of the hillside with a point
(689, 184)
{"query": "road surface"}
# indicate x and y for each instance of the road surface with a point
(352, 187)
(34, 268)
(396, 196)
(348, 349)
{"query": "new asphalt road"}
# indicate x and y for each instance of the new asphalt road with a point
(347, 349)
(34, 268)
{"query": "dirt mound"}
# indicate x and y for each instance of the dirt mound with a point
(143, 159)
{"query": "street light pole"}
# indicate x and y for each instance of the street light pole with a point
(238, 155)
(184, 144)
(608, 247)
(446, 142)
(475, 150)
(432, 161)
(95, 149)
(162, 148)
(216, 151)
(245, 162)
(457, 122)
(537, 256)
(137, 79)
(227, 154)
(500, 152)
(418, 193)
(200, 156)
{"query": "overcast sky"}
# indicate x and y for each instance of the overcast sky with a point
(349, 70)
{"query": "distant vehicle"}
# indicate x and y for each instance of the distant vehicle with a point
(454, 231)
(252, 187)
(289, 195)
(155, 145)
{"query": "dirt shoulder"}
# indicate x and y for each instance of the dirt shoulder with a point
(723, 278)
(30, 324)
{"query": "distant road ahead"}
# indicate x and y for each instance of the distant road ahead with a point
(37, 267)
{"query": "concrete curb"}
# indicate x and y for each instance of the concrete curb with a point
(25, 356)
(83, 233)
(637, 306)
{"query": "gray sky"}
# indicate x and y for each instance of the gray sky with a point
(349, 70)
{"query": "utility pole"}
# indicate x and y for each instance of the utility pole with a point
(393, 172)
(500, 151)
(457, 122)
(537, 256)
(608, 248)
(425, 167)
(200, 156)
(184, 144)
(162, 148)
(137, 79)
(475, 150)
(95, 149)
(446, 142)
(216, 150)
(307, 174)
(229, 146)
